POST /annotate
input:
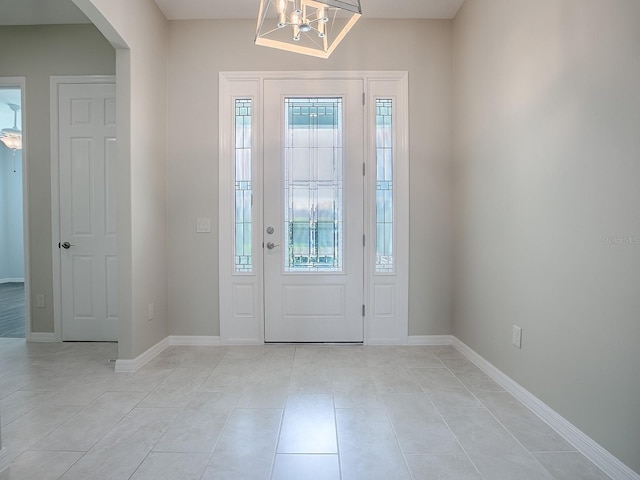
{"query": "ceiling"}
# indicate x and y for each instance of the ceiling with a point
(39, 12)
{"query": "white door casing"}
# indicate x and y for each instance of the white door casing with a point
(242, 293)
(86, 161)
(322, 304)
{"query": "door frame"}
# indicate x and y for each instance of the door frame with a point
(241, 295)
(54, 83)
(21, 83)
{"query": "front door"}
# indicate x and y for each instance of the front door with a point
(87, 175)
(313, 210)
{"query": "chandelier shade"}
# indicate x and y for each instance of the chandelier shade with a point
(308, 27)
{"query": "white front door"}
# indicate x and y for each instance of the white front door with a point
(313, 210)
(87, 176)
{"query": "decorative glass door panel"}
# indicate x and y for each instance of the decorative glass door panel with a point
(313, 211)
(313, 185)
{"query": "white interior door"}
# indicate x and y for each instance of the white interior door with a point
(313, 210)
(87, 176)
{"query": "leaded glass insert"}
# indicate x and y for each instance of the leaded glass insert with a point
(313, 168)
(384, 185)
(243, 189)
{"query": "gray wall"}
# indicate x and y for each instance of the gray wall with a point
(199, 50)
(11, 231)
(37, 53)
(138, 30)
(547, 204)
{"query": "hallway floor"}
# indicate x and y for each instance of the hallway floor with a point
(269, 412)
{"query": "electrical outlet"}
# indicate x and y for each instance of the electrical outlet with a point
(203, 225)
(40, 300)
(517, 336)
(150, 311)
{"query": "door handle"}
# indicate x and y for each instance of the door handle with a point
(65, 245)
(272, 245)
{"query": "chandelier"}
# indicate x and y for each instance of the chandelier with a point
(309, 27)
(12, 137)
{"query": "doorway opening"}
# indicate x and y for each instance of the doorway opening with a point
(13, 245)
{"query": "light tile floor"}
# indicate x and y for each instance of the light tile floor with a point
(272, 413)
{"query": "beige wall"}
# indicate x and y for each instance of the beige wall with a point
(139, 31)
(199, 50)
(547, 169)
(37, 53)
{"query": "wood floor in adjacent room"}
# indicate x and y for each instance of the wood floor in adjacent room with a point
(12, 310)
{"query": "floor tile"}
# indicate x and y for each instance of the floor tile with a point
(307, 467)
(91, 423)
(19, 402)
(395, 380)
(247, 446)
(308, 425)
(311, 379)
(443, 388)
(177, 389)
(355, 388)
(442, 467)
(570, 466)
(42, 465)
(368, 447)
(263, 412)
(198, 426)
(124, 448)
(171, 466)
(227, 377)
(510, 465)
(28, 429)
(418, 425)
(533, 433)
(478, 432)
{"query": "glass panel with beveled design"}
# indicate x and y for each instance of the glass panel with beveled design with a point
(243, 187)
(313, 185)
(384, 185)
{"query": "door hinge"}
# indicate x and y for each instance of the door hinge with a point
(363, 310)
(363, 99)
(364, 240)
(364, 169)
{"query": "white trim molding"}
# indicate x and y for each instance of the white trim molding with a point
(133, 365)
(430, 340)
(585, 444)
(42, 337)
(195, 340)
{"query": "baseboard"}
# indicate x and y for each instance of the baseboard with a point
(43, 337)
(585, 444)
(11, 280)
(194, 340)
(430, 340)
(130, 366)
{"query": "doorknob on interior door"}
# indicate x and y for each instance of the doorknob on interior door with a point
(65, 245)
(272, 245)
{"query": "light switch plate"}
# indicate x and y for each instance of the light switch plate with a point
(203, 225)
(517, 336)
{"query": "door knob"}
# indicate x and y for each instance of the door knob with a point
(272, 245)
(65, 245)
